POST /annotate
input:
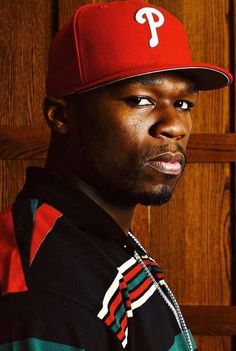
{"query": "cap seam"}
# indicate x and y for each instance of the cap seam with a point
(140, 64)
(76, 37)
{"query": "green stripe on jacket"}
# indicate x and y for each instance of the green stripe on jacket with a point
(33, 344)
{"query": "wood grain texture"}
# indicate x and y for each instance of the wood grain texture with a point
(12, 177)
(212, 148)
(24, 142)
(141, 223)
(190, 236)
(211, 320)
(233, 169)
(214, 343)
(67, 7)
(25, 32)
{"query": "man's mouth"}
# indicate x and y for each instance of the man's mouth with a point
(168, 163)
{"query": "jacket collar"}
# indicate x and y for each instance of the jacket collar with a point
(83, 211)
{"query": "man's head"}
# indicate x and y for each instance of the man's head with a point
(128, 140)
(119, 101)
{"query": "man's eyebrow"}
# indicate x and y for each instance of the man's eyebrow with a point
(191, 89)
(145, 79)
(153, 79)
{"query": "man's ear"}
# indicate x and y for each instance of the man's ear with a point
(55, 113)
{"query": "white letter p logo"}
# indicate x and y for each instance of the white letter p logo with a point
(146, 14)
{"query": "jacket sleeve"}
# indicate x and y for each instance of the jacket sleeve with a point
(47, 322)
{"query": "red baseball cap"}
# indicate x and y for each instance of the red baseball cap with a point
(105, 43)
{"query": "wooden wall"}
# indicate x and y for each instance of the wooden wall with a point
(193, 236)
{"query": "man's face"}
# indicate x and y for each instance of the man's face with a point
(128, 140)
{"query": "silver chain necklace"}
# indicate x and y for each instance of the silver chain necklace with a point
(171, 302)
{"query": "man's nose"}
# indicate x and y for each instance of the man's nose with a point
(170, 125)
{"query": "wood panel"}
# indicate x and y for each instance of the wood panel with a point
(24, 142)
(66, 8)
(212, 148)
(233, 167)
(214, 343)
(12, 177)
(211, 320)
(25, 32)
(193, 228)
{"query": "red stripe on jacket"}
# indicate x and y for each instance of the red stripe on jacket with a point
(12, 277)
(45, 219)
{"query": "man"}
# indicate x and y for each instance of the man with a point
(121, 85)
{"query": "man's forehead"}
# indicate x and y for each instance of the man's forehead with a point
(157, 79)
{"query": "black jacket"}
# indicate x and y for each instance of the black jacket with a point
(69, 278)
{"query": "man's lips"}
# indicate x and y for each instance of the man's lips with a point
(168, 163)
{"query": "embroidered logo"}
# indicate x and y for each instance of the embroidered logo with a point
(146, 14)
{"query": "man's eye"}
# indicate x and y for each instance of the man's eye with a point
(184, 105)
(139, 101)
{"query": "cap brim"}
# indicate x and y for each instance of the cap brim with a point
(207, 77)
(203, 75)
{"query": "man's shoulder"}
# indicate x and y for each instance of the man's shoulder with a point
(42, 249)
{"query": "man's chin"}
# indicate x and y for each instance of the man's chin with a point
(148, 198)
(154, 196)
(155, 199)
